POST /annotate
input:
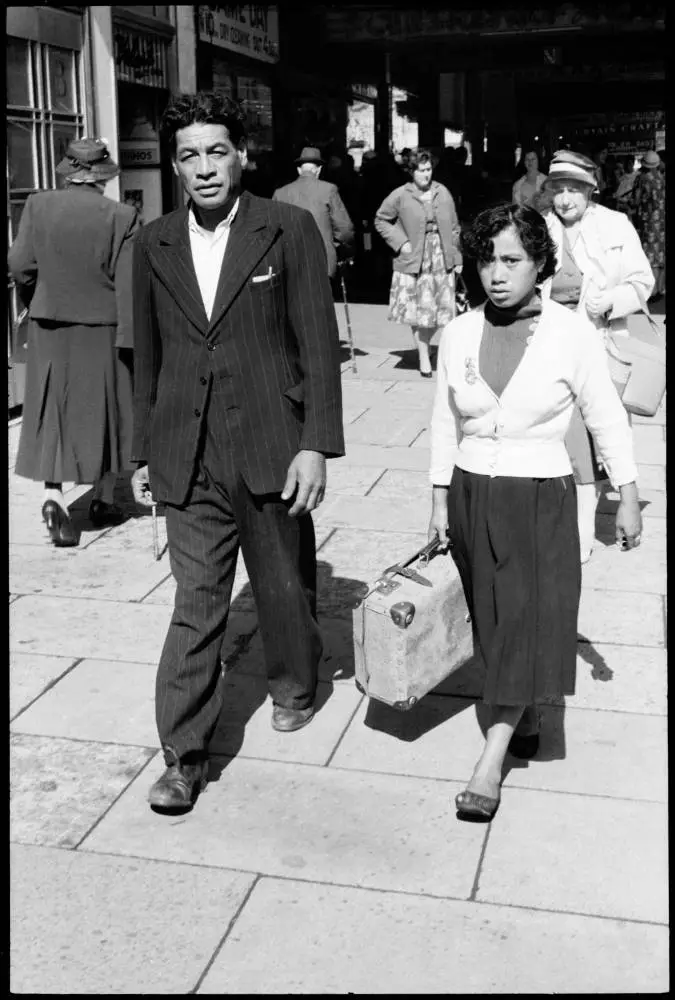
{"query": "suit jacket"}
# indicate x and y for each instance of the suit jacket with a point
(271, 347)
(401, 219)
(72, 259)
(324, 202)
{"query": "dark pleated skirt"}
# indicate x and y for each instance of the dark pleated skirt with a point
(77, 412)
(516, 545)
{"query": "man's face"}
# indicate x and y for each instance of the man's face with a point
(208, 164)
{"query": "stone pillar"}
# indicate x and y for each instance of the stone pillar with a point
(186, 49)
(104, 85)
(383, 109)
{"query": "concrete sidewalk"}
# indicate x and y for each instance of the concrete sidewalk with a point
(330, 860)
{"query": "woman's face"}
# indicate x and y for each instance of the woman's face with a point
(510, 276)
(531, 162)
(422, 174)
(570, 199)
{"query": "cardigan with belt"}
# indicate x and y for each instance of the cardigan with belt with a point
(522, 432)
(401, 218)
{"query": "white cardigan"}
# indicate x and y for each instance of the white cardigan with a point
(522, 432)
(617, 262)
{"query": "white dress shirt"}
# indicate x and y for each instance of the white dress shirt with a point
(208, 249)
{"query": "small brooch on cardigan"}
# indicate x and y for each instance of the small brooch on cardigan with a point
(471, 374)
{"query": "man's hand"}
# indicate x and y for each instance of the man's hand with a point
(599, 303)
(438, 525)
(458, 268)
(140, 484)
(307, 479)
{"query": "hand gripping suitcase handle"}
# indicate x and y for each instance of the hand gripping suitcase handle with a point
(425, 554)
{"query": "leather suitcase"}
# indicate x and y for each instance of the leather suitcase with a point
(412, 629)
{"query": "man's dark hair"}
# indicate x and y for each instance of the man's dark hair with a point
(204, 108)
(477, 239)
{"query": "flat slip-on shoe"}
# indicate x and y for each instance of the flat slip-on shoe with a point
(475, 808)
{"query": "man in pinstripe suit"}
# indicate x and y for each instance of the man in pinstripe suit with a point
(237, 405)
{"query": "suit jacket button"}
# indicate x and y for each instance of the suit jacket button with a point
(198, 413)
(211, 347)
(203, 380)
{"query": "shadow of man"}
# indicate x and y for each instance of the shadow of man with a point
(244, 676)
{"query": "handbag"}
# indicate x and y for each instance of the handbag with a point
(20, 330)
(637, 364)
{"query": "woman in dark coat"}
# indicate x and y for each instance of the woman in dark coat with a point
(72, 266)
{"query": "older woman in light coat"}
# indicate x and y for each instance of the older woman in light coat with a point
(601, 273)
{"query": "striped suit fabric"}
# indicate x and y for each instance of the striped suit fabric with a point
(222, 406)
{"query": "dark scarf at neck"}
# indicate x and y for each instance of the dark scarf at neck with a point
(505, 317)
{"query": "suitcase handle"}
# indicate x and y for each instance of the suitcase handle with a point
(425, 553)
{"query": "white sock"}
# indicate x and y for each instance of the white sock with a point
(57, 497)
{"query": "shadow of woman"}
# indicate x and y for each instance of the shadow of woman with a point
(244, 678)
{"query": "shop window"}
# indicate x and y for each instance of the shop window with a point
(256, 102)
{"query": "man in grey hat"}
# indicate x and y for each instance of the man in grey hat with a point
(324, 202)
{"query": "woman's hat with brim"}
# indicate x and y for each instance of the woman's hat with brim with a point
(568, 166)
(88, 160)
(310, 154)
(651, 159)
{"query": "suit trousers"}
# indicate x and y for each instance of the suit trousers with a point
(204, 536)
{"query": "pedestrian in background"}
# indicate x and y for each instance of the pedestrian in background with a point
(529, 184)
(419, 222)
(324, 202)
(601, 271)
(503, 493)
(649, 214)
(72, 265)
(237, 404)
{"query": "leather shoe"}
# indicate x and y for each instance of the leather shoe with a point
(287, 720)
(179, 786)
(102, 514)
(60, 527)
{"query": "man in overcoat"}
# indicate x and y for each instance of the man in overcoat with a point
(237, 406)
(323, 200)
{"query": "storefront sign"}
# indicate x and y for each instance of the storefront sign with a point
(139, 153)
(140, 58)
(250, 29)
(620, 133)
(345, 24)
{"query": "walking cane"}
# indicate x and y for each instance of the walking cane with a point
(350, 337)
(155, 537)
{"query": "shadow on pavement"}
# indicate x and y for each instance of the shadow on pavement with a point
(246, 693)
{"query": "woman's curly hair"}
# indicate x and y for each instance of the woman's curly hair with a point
(205, 108)
(477, 239)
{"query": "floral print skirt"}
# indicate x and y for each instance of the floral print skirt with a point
(426, 299)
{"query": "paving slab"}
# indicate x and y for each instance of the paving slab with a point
(652, 502)
(65, 942)
(102, 630)
(315, 823)
(356, 480)
(649, 444)
(399, 484)
(651, 477)
(32, 673)
(387, 425)
(26, 528)
(599, 753)
(114, 702)
(416, 459)
(109, 570)
(640, 570)
(350, 940)
(633, 619)
(579, 854)
(61, 788)
(381, 513)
